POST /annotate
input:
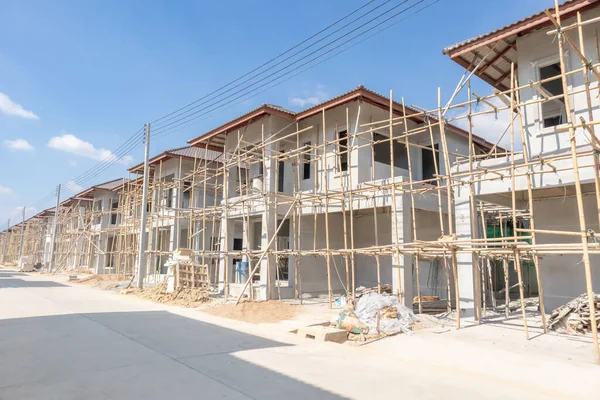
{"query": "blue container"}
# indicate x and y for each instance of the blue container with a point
(242, 271)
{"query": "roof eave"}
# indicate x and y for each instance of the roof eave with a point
(237, 123)
(527, 25)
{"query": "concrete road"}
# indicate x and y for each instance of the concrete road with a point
(60, 341)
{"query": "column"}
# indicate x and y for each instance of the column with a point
(466, 281)
(269, 225)
(402, 278)
(226, 246)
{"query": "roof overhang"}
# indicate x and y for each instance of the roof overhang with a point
(215, 139)
(495, 51)
(139, 168)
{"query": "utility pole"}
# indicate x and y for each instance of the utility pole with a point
(22, 236)
(143, 242)
(53, 231)
(6, 237)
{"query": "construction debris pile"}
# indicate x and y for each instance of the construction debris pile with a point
(575, 316)
(376, 315)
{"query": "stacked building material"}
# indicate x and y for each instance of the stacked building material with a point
(575, 316)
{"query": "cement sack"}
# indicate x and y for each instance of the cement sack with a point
(373, 307)
(349, 322)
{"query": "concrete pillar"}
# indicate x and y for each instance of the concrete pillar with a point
(102, 241)
(466, 281)
(292, 245)
(269, 225)
(402, 277)
(232, 182)
(226, 246)
(267, 265)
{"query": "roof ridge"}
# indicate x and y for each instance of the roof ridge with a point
(104, 183)
(175, 149)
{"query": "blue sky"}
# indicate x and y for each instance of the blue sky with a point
(77, 78)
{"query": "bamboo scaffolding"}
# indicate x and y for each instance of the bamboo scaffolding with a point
(341, 198)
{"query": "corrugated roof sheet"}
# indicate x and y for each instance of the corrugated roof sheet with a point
(276, 107)
(196, 152)
(110, 185)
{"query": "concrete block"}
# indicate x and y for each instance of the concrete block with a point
(323, 333)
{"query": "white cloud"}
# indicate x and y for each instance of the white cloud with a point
(489, 126)
(309, 98)
(5, 190)
(9, 107)
(72, 163)
(74, 187)
(72, 144)
(18, 144)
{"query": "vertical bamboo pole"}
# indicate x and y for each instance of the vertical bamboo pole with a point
(517, 262)
(535, 257)
(582, 223)
(278, 159)
(326, 179)
(351, 145)
(400, 291)
(448, 175)
(412, 207)
(297, 216)
(316, 187)
(340, 152)
(225, 220)
(375, 224)
(586, 80)
(475, 256)
(440, 210)
(506, 273)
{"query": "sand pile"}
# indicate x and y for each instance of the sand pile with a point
(182, 297)
(104, 281)
(255, 312)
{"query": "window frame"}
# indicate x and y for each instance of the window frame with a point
(538, 64)
(307, 161)
(342, 154)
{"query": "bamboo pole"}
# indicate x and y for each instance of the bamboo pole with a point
(326, 179)
(582, 223)
(517, 263)
(400, 291)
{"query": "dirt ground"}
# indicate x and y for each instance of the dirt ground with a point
(104, 281)
(255, 312)
(189, 298)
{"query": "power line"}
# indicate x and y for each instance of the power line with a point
(183, 125)
(131, 143)
(285, 59)
(191, 115)
(185, 117)
(268, 62)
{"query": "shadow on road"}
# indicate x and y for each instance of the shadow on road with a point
(140, 355)
(9, 273)
(12, 283)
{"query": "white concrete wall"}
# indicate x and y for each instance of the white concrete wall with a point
(313, 270)
(537, 49)
(563, 276)
(366, 266)
(432, 278)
